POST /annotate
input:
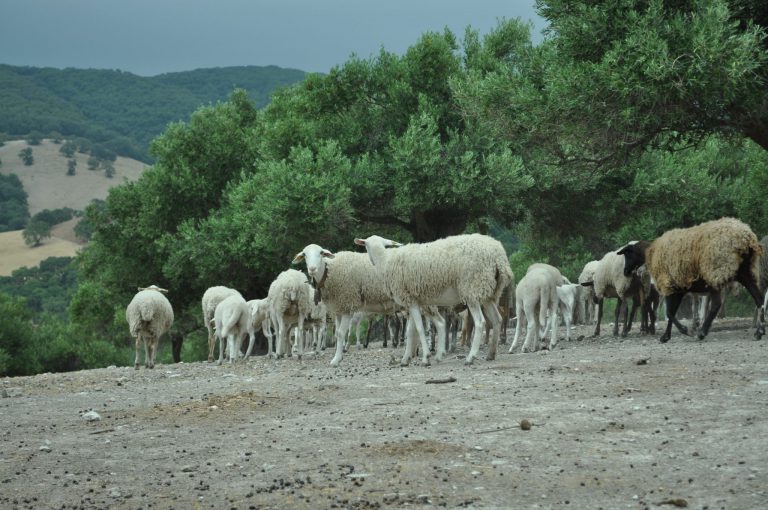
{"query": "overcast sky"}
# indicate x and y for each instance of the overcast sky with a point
(149, 37)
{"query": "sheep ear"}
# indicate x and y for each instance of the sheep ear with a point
(327, 254)
(395, 244)
(359, 242)
(298, 258)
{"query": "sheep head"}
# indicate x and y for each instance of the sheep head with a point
(155, 288)
(634, 256)
(314, 256)
(375, 246)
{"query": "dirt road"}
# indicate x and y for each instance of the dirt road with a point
(615, 424)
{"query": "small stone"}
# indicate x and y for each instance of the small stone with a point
(91, 416)
(45, 448)
(525, 424)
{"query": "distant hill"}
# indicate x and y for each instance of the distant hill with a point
(120, 110)
(49, 187)
(46, 181)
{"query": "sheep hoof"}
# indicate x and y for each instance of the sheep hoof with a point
(136, 366)
(701, 335)
(469, 361)
(759, 333)
(664, 339)
(490, 357)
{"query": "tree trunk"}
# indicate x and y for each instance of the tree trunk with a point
(434, 224)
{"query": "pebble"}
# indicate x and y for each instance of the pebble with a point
(91, 416)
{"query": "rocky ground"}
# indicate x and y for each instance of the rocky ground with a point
(613, 424)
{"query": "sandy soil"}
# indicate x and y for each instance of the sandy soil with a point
(615, 424)
(14, 253)
(46, 181)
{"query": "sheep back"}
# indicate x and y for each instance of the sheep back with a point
(290, 288)
(609, 279)
(711, 251)
(231, 315)
(475, 265)
(588, 273)
(353, 284)
(212, 297)
(150, 312)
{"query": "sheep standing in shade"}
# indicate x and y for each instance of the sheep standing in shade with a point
(259, 320)
(231, 319)
(290, 299)
(611, 282)
(149, 316)
(211, 299)
(704, 258)
(536, 299)
(471, 269)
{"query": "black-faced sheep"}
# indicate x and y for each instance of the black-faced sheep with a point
(704, 258)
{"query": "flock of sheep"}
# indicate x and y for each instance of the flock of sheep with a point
(464, 271)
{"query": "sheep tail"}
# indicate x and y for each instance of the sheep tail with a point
(229, 322)
(544, 298)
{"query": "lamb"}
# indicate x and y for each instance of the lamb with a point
(149, 316)
(610, 281)
(259, 320)
(211, 298)
(290, 300)
(231, 319)
(347, 283)
(703, 258)
(535, 296)
(568, 298)
(471, 269)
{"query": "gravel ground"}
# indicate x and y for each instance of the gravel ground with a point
(613, 424)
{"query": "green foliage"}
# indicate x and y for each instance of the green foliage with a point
(93, 163)
(35, 232)
(121, 112)
(26, 156)
(47, 288)
(14, 212)
(54, 216)
(71, 166)
(15, 334)
(34, 138)
(109, 169)
(68, 148)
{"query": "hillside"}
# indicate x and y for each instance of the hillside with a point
(48, 187)
(47, 183)
(119, 110)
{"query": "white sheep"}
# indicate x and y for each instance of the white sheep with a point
(587, 279)
(536, 300)
(259, 320)
(471, 269)
(347, 283)
(211, 298)
(569, 296)
(290, 300)
(231, 319)
(704, 258)
(149, 316)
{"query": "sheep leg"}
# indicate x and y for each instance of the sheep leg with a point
(416, 317)
(673, 303)
(566, 310)
(744, 277)
(715, 301)
(439, 323)
(282, 336)
(408, 342)
(300, 337)
(342, 327)
(532, 328)
(138, 345)
(496, 320)
(211, 338)
(520, 323)
(477, 337)
(599, 317)
(621, 309)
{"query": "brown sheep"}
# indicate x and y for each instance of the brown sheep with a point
(704, 258)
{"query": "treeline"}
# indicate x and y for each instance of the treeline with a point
(117, 110)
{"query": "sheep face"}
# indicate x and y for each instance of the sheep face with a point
(314, 256)
(634, 256)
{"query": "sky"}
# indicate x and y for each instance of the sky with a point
(150, 37)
